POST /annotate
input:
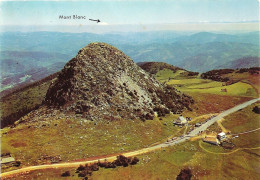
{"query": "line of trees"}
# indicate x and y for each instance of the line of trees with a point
(87, 170)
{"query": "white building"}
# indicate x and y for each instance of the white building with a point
(221, 136)
(181, 121)
(7, 160)
(211, 140)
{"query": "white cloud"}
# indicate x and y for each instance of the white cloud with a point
(103, 23)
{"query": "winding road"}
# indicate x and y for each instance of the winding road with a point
(194, 132)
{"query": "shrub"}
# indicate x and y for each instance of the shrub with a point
(192, 73)
(122, 161)
(94, 167)
(216, 74)
(134, 161)
(185, 174)
(81, 168)
(65, 174)
(82, 174)
(110, 165)
(256, 110)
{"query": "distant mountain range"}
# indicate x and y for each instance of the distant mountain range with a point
(245, 62)
(200, 52)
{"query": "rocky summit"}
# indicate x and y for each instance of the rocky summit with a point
(102, 83)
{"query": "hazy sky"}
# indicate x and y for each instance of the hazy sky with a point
(120, 12)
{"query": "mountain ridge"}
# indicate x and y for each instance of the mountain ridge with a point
(101, 82)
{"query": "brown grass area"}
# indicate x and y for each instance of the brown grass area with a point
(74, 139)
(18, 144)
(211, 103)
(243, 120)
(223, 129)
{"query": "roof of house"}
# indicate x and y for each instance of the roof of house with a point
(222, 134)
(182, 119)
(7, 160)
(211, 140)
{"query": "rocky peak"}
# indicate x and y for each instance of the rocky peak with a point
(101, 82)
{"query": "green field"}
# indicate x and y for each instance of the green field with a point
(185, 83)
(237, 89)
(205, 161)
(72, 139)
(213, 87)
(167, 163)
(241, 164)
(166, 74)
(25, 99)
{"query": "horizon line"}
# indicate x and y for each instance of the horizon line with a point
(138, 24)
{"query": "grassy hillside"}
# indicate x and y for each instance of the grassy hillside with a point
(68, 139)
(205, 161)
(164, 72)
(154, 67)
(241, 82)
(248, 76)
(72, 139)
(237, 89)
(21, 101)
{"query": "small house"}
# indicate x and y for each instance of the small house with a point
(211, 140)
(221, 136)
(180, 121)
(6, 160)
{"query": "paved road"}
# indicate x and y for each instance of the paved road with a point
(195, 132)
(204, 126)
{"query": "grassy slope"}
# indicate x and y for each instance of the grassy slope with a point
(80, 139)
(237, 89)
(20, 101)
(24, 99)
(247, 84)
(167, 163)
(166, 74)
(253, 80)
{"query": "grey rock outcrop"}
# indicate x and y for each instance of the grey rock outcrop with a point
(102, 83)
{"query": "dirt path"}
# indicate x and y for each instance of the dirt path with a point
(227, 152)
(246, 132)
(221, 126)
(251, 84)
(206, 116)
(195, 132)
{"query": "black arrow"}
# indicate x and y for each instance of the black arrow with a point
(95, 20)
